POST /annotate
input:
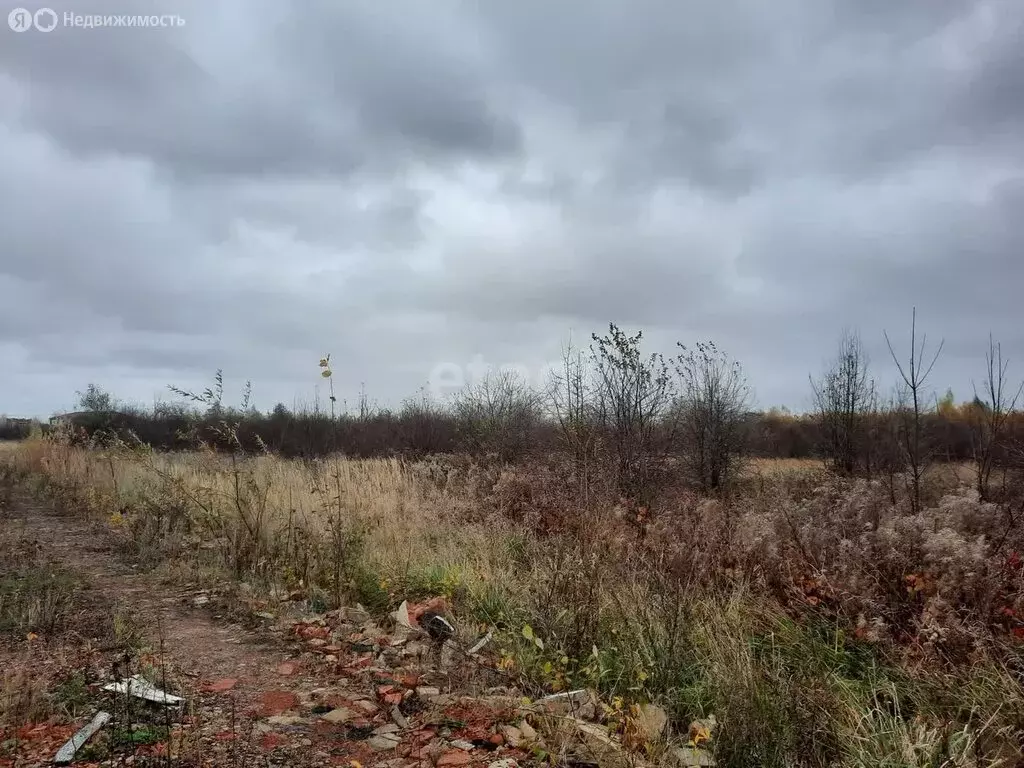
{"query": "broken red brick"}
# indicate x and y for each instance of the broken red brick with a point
(423, 736)
(366, 706)
(277, 702)
(220, 686)
(454, 758)
(435, 604)
(153, 750)
(287, 668)
(421, 753)
(272, 740)
(309, 631)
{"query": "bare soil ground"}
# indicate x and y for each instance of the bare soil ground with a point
(285, 687)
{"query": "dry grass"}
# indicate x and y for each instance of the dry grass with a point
(775, 467)
(785, 611)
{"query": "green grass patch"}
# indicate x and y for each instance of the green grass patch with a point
(36, 599)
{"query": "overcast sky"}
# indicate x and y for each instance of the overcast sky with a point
(411, 185)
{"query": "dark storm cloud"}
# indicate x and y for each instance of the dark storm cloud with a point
(321, 88)
(409, 185)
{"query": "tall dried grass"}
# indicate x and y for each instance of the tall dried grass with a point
(785, 610)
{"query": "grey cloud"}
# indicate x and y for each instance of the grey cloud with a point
(407, 185)
(321, 89)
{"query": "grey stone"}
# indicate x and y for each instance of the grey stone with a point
(383, 743)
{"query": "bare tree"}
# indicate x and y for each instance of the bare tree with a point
(990, 413)
(571, 403)
(712, 413)
(913, 407)
(498, 415)
(844, 398)
(632, 395)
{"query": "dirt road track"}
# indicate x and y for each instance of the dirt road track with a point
(313, 690)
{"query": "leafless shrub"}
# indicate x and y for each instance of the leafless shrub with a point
(989, 416)
(844, 396)
(498, 415)
(571, 403)
(633, 394)
(711, 412)
(913, 407)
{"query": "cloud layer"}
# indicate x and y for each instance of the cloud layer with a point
(408, 185)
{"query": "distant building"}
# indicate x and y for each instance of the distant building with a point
(15, 429)
(7, 421)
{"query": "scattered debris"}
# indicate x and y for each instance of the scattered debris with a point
(480, 644)
(356, 615)
(513, 736)
(454, 758)
(400, 720)
(437, 626)
(277, 702)
(583, 703)
(285, 720)
(220, 686)
(652, 721)
(67, 752)
(508, 762)
(529, 734)
(593, 743)
(384, 741)
(401, 615)
(339, 715)
(367, 706)
(141, 688)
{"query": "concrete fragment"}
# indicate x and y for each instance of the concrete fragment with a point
(513, 736)
(339, 715)
(384, 742)
(66, 753)
(652, 721)
(285, 720)
(141, 688)
(583, 704)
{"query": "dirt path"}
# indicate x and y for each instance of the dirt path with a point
(312, 690)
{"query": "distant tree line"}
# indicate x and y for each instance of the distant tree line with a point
(427, 427)
(641, 416)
